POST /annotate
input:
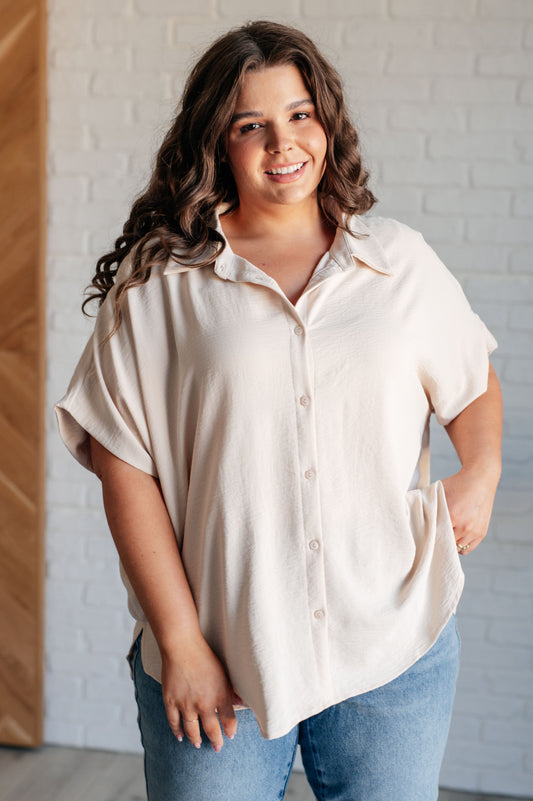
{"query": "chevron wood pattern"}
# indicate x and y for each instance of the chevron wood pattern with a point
(22, 353)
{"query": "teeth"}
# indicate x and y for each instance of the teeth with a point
(286, 170)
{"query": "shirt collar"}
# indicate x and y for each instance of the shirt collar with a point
(174, 265)
(349, 249)
(359, 244)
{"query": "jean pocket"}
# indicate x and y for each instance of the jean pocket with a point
(132, 653)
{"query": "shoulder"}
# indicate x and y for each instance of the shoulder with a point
(389, 231)
(126, 267)
(136, 302)
(406, 250)
(397, 245)
(412, 261)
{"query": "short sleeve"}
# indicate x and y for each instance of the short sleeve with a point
(105, 398)
(453, 341)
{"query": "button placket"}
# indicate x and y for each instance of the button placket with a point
(303, 377)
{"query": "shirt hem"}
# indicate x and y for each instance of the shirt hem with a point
(269, 733)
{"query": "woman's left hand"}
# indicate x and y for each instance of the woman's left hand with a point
(476, 434)
(470, 498)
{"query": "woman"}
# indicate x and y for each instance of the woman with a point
(256, 400)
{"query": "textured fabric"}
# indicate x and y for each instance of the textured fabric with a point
(384, 745)
(292, 447)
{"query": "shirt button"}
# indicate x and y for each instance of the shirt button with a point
(298, 330)
(309, 474)
(314, 545)
(305, 400)
(319, 614)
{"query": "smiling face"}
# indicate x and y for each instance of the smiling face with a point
(276, 145)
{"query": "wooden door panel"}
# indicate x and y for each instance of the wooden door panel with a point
(22, 342)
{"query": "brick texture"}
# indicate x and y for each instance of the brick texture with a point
(442, 94)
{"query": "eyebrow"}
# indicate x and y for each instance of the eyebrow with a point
(306, 101)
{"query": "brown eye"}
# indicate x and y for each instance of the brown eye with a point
(251, 126)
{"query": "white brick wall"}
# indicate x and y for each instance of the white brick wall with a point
(442, 92)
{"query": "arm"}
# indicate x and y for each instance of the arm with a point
(194, 681)
(476, 436)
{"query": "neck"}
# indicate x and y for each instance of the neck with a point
(276, 220)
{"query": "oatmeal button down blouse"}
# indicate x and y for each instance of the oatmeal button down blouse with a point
(292, 447)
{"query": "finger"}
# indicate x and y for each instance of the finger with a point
(174, 721)
(212, 730)
(228, 719)
(465, 545)
(474, 543)
(191, 727)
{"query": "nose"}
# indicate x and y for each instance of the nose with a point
(279, 139)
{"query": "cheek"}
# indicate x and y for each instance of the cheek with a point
(319, 143)
(241, 159)
(320, 148)
(324, 144)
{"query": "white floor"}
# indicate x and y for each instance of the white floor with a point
(72, 774)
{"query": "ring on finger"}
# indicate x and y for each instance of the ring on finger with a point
(191, 721)
(463, 547)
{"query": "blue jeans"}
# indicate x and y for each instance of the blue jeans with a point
(384, 745)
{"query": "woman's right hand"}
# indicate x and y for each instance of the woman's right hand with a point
(195, 685)
(196, 688)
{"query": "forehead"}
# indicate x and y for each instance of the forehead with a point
(280, 84)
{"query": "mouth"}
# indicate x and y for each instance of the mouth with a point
(290, 169)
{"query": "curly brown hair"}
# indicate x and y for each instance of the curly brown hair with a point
(174, 217)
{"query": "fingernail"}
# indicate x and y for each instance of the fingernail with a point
(217, 748)
(180, 738)
(197, 745)
(231, 736)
